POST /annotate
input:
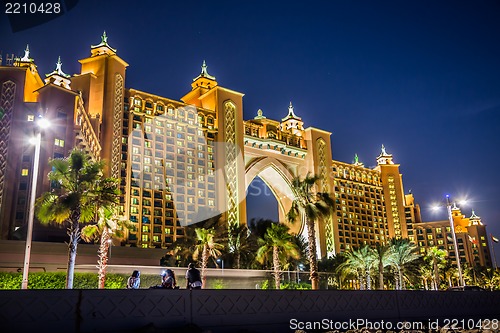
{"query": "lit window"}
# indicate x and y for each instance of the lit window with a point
(24, 172)
(59, 142)
(31, 117)
(145, 238)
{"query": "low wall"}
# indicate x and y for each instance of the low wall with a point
(231, 310)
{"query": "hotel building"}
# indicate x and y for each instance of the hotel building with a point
(182, 161)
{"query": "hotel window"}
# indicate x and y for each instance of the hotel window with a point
(201, 155)
(147, 160)
(170, 111)
(59, 142)
(145, 238)
(24, 172)
(137, 101)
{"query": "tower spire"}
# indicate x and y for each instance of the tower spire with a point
(384, 157)
(103, 47)
(26, 57)
(291, 114)
(204, 72)
(58, 77)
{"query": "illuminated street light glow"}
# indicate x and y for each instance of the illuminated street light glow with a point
(41, 124)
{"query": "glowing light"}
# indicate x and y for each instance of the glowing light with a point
(43, 123)
(435, 207)
(33, 140)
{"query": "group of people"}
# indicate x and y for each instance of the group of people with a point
(168, 280)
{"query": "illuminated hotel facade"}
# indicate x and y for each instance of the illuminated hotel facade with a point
(182, 161)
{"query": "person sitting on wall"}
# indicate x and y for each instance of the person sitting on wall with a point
(134, 281)
(193, 277)
(168, 280)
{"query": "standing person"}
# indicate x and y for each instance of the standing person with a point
(193, 277)
(168, 280)
(134, 281)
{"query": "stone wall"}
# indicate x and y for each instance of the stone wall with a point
(229, 310)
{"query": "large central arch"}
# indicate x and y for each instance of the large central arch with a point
(279, 179)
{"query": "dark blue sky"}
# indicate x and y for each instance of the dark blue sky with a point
(420, 77)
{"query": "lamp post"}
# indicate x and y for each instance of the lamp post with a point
(455, 244)
(219, 260)
(41, 123)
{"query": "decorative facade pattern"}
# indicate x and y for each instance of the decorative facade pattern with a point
(394, 207)
(7, 103)
(117, 126)
(231, 162)
(322, 171)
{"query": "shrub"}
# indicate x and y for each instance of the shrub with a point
(295, 286)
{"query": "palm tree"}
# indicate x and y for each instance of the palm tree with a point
(282, 245)
(383, 256)
(183, 247)
(436, 257)
(109, 223)
(79, 187)
(241, 244)
(313, 206)
(359, 262)
(404, 252)
(426, 275)
(207, 247)
(490, 278)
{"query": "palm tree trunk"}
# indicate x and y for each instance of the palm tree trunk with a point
(276, 264)
(380, 274)
(400, 278)
(237, 256)
(102, 263)
(436, 273)
(368, 280)
(74, 238)
(311, 239)
(204, 261)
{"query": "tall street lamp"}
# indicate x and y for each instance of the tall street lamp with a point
(219, 260)
(455, 244)
(40, 124)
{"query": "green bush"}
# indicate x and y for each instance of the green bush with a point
(295, 286)
(265, 285)
(217, 284)
(57, 280)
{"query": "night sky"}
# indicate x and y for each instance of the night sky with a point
(420, 77)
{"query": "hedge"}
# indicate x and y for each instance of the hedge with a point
(57, 280)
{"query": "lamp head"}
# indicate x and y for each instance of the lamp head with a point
(43, 122)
